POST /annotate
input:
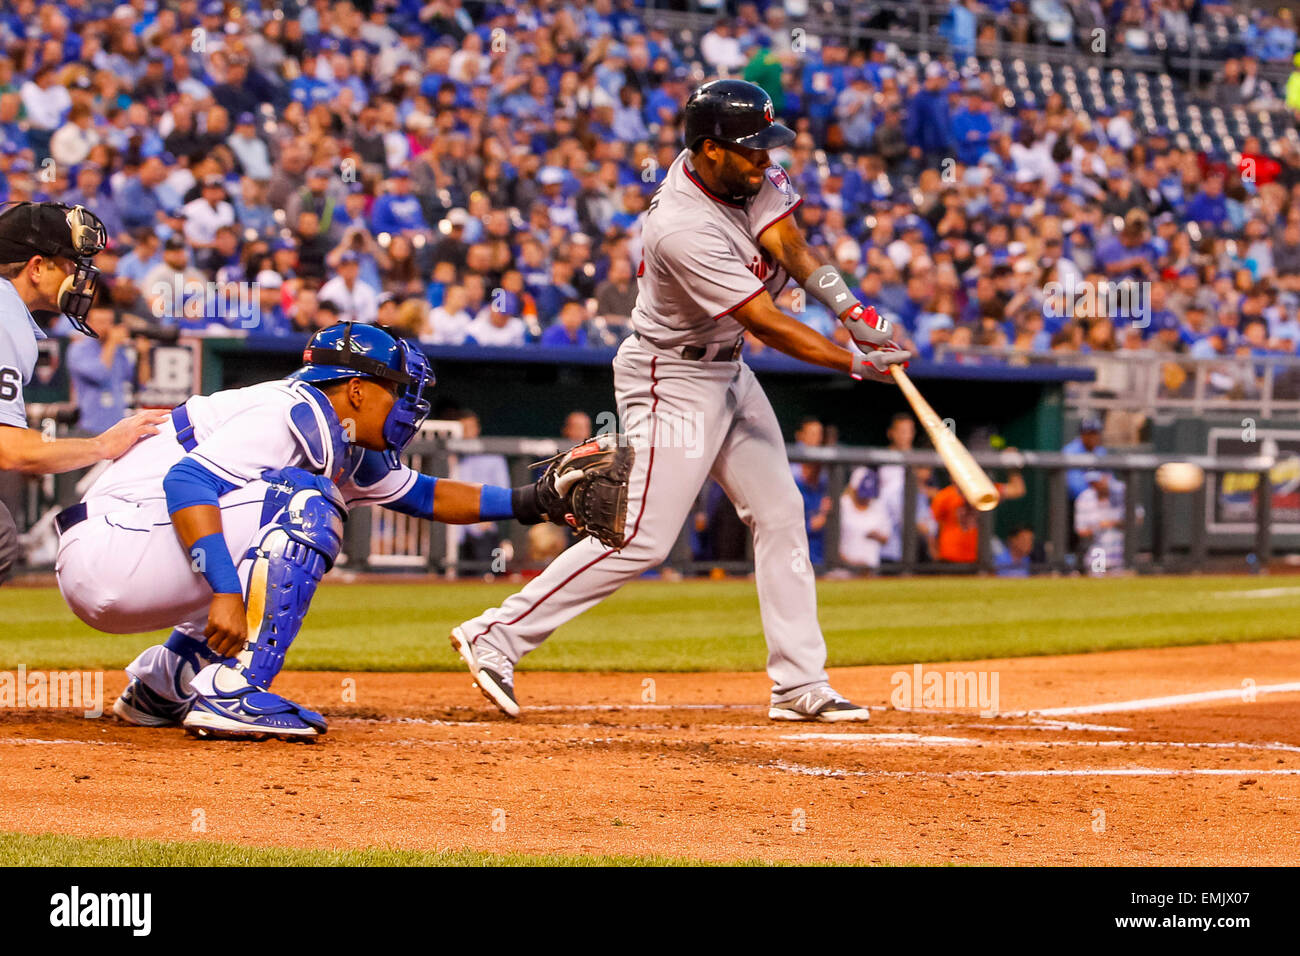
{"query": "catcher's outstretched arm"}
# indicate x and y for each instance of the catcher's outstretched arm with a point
(463, 502)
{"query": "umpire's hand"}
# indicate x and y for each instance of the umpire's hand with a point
(118, 440)
(227, 628)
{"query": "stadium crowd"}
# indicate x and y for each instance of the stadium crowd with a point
(474, 173)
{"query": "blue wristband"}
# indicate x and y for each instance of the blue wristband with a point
(209, 557)
(494, 504)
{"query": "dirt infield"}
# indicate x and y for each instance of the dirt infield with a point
(688, 765)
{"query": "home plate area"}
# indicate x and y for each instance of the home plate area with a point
(1189, 770)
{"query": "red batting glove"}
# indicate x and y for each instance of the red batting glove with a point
(869, 330)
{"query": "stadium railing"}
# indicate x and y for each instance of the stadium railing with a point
(377, 540)
(1158, 382)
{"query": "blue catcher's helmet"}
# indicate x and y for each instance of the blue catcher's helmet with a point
(356, 350)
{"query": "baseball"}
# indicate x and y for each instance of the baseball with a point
(1179, 476)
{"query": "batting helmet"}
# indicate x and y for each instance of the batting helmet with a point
(349, 350)
(733, 111)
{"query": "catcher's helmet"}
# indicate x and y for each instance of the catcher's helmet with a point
(733, 111)
(355, 350)
(52, 229)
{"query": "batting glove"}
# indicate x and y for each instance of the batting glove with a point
(868, 329)
(874, 365)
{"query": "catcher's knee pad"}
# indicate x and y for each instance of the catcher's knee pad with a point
(292, 554)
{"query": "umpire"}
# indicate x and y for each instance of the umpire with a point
(45, 266)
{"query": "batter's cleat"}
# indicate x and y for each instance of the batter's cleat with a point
(821, 703)
(145, 707)
(245, 712)
(493, 672)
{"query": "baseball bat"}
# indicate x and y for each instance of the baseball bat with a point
(966, 474)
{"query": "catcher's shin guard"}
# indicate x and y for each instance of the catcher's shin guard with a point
(291, 555)
(289, 559)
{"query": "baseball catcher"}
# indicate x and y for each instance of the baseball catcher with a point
(242, 497)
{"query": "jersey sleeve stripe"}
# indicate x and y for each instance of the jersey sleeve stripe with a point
(797, 204)
(753, 295)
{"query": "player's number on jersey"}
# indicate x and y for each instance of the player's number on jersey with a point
(10, 383)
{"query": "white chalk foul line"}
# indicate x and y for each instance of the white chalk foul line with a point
(1159, 703)
(923, 740)
(1079, 772)
(887, 740)
(1256, 593)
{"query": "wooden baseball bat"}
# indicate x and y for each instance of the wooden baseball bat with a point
(966, 474)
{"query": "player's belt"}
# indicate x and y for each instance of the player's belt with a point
(717, 352)
(73, 516)
(184, 430)
(70, 517)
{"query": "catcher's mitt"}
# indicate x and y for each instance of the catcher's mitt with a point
(586, 487)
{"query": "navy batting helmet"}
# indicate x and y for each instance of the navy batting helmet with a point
(355, 350)
(733, 111)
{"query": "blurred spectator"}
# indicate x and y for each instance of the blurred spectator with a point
(103, 370)
(616, 295)
(577, 427)
(1088, 442)
(957, 539)
(814, 486)
(478, 542)
(864, 521)
(450, 322)
(570, 329)
(498, 324)
(208, 213)
(902, 437)
(1099, 523)
(1012, 558)
(271, 316)
(357, 300)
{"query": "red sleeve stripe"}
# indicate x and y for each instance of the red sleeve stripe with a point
(753, 295)
(779, 218)
(640, 270)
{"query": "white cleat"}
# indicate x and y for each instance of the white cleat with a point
(821, 703)
(492, 671)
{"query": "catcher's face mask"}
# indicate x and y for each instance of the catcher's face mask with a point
(411, 408)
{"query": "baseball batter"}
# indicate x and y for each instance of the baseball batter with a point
(719, 244)
(222, 525)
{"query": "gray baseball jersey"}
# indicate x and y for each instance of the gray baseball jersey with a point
(18, 336)
(690, 421)
(701, 259)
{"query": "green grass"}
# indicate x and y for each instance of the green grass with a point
(17, 849)
(707, 626)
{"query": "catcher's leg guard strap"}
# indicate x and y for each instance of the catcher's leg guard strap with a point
(289, 559)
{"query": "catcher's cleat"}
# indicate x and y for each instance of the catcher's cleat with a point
(821, 703)
(493, 672)
(246, 711)
(144, 707)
